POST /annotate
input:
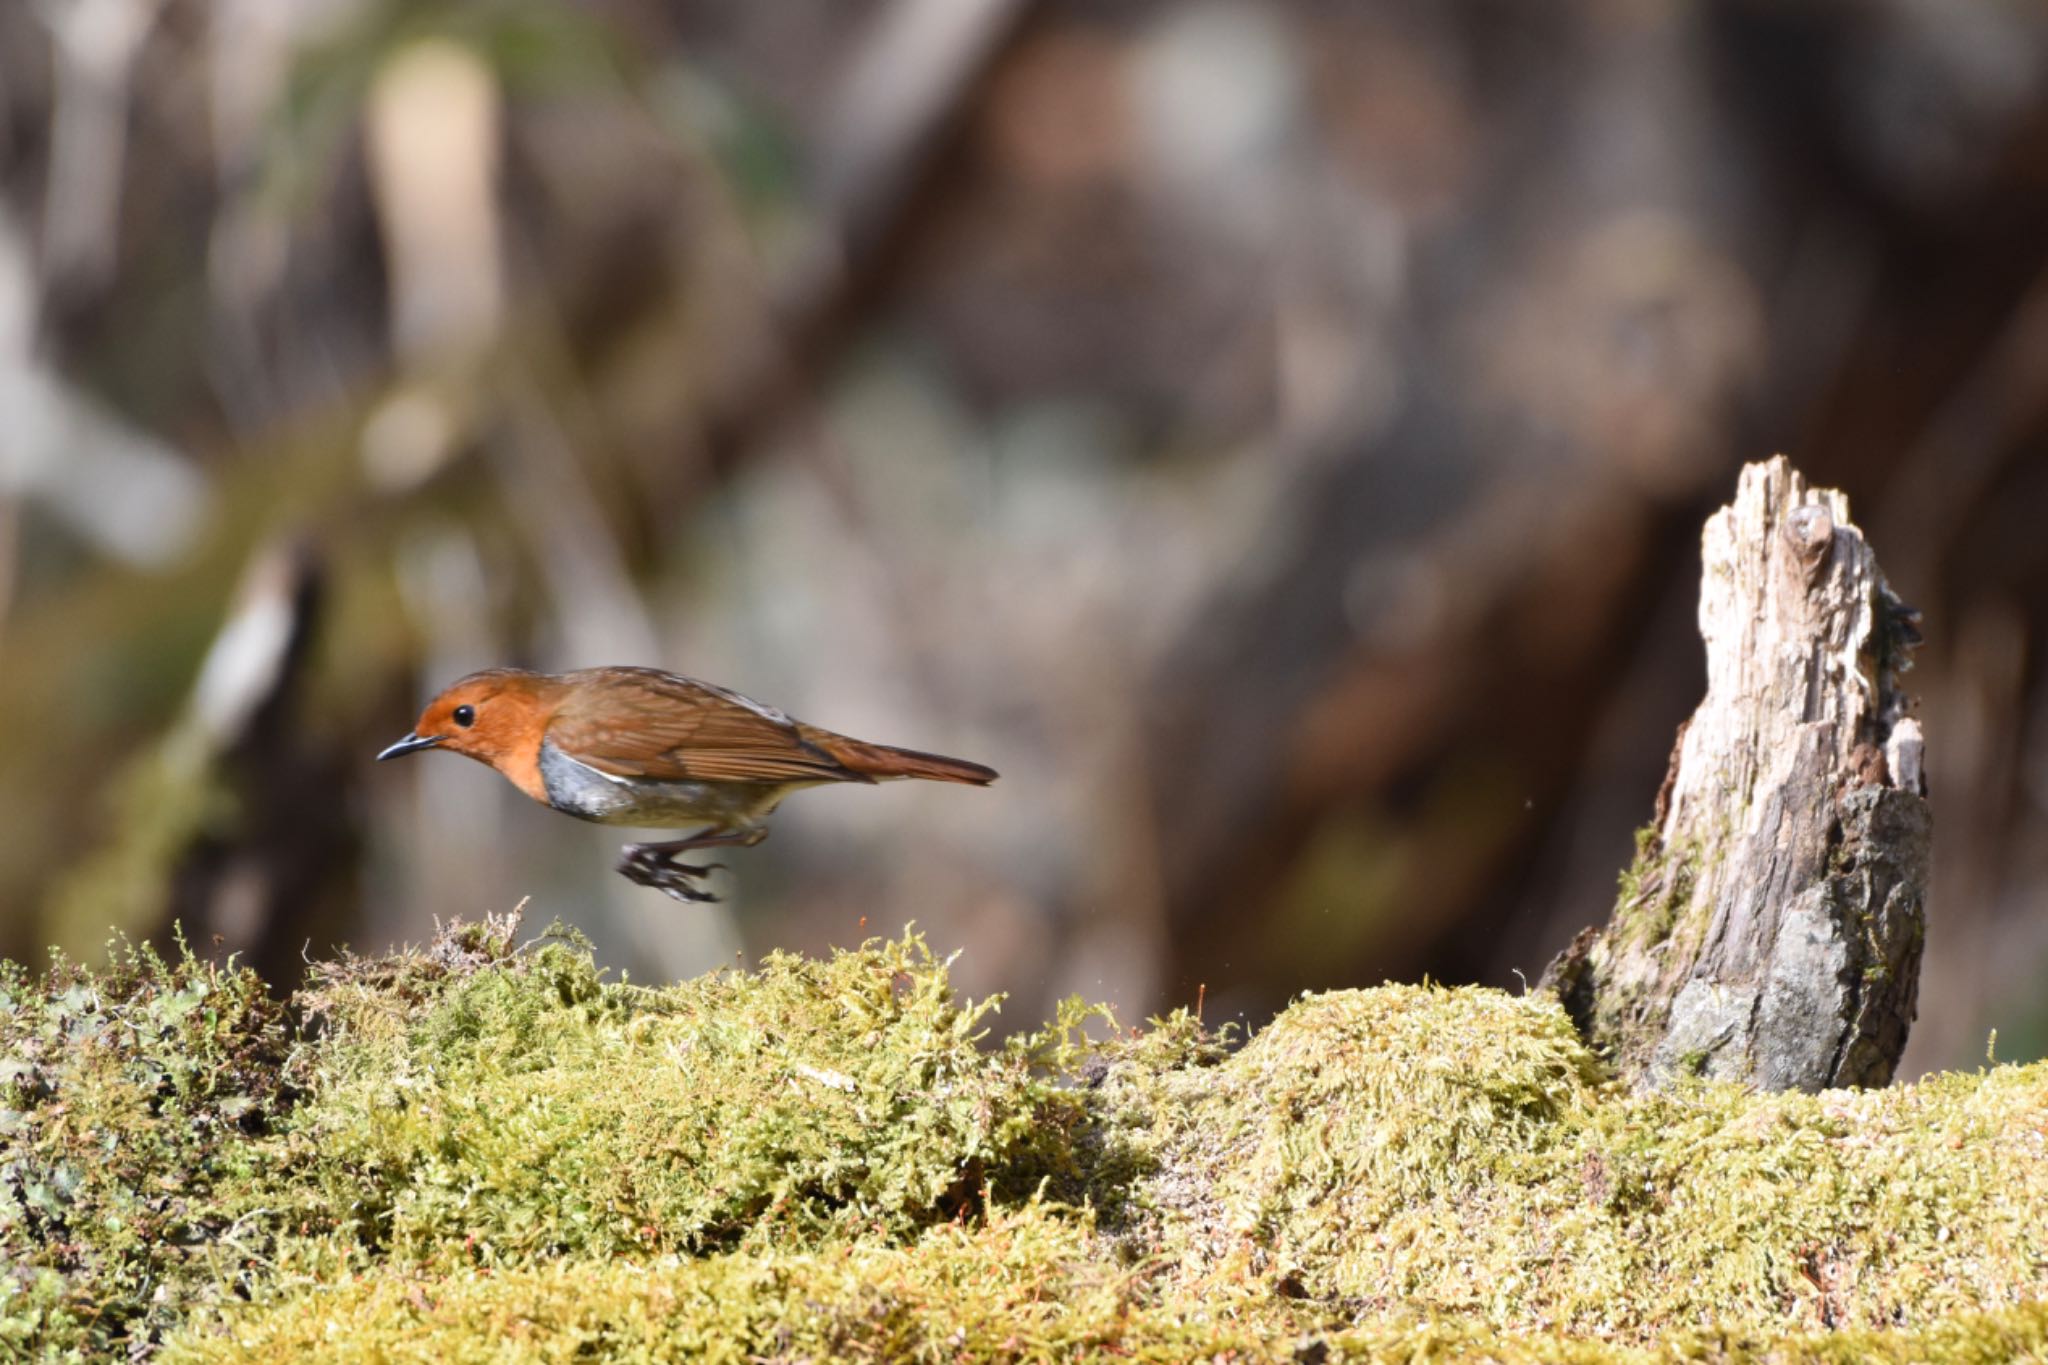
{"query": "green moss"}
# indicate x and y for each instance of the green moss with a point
(1649, 844)
(479, 1150)
(533, 1109)
(1654, 889)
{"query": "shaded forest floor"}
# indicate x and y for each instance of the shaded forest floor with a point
(479, 1150)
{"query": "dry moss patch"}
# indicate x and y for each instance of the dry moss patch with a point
(1459, 1151)
(482, 1150)
(1027, 1285)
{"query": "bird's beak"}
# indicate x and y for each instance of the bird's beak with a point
(411, 744)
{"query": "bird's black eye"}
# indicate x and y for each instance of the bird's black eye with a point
(465, 716)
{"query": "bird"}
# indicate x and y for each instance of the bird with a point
(626, 745)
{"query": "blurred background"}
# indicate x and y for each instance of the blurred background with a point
(1274, 435)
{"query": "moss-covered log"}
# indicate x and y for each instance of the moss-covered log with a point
(481, 1151)
(1770, 930)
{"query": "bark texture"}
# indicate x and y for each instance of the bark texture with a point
(1770, 930)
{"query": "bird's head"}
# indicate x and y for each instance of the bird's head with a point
(496, 717)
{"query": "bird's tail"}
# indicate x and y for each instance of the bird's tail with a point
(884, 763)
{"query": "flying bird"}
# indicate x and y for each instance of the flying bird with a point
(638, 746)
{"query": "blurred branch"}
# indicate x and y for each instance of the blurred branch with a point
(902, 91)
(1980, 430)
(597, 608)
(433, 135)
(96, 43)
(125, 492)
(893, 103)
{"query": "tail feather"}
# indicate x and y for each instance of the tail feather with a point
(883, 762)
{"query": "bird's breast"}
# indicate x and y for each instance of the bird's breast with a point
(575, 788)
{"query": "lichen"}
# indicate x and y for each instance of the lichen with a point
(134, 1103)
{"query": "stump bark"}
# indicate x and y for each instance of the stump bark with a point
(1770, 929)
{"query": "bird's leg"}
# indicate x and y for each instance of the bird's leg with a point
(655, 865)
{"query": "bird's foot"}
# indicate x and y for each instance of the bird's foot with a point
(651, 865)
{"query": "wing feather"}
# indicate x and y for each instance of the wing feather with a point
(635, 722)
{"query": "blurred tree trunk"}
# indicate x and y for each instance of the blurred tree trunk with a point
(1770, 931)
(235, 825)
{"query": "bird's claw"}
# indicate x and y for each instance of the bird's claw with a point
(653, 867)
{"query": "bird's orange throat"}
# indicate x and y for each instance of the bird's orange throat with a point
(521, 767)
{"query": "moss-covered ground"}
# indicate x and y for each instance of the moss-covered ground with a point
(480, 1150)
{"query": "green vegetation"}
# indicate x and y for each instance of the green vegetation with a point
(481, 1151)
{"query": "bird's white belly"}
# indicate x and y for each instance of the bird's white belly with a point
(575, 788)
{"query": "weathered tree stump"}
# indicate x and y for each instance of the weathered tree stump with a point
(1771, 927)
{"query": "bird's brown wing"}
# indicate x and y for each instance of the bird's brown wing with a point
(632, 722)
